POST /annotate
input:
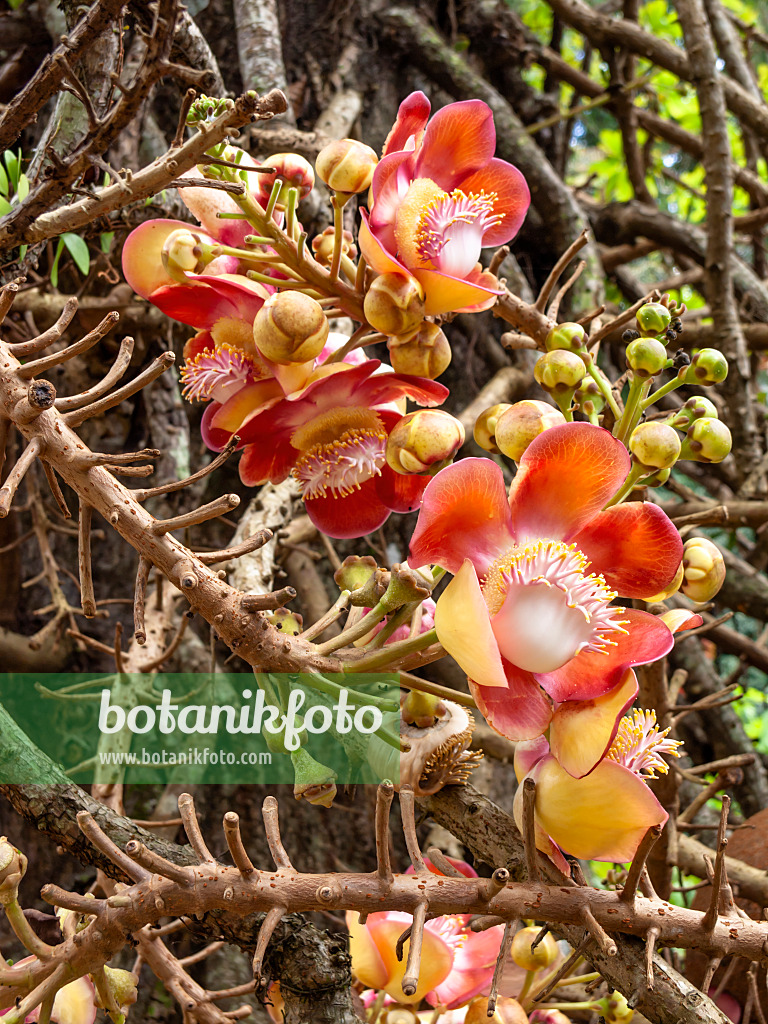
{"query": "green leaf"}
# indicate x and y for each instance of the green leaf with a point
(22, 189)
(78, 250)
(23, 251)
(5, 206)
(15, 4)
(12, 162)
(3, 182)
(105, 240)
(55, 265)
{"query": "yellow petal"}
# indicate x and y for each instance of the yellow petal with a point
(367, 965)
(582, 730)
(436, 957)
(600, 817)
(463, 627)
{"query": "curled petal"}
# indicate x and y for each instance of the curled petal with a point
(458, 141)
(521, 711)
(582, 730)
(600, 817)
(679, 619)
(400, 493)
(354, 515)
(591, 674)
(464, 514)
(376, 254)
(565, 477)
(412, 117)
(142, 262)
(514, 198)
(635, 546)
(272, 463)
(464, 629)
(445, 294)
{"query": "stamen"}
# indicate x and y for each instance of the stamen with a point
(221, 370)
(450, 232)
(639, 744)
(342, 465)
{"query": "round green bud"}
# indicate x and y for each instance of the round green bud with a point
(707, 367)
(646, 357)
(588, 397)
(544, 955)
(703, 569)
(695, 408)
(658, 479)
(559, 371)
(707, 440)
(653, 318)
(570, 337)
(655, 445)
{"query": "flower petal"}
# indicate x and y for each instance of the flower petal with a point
(464, 514)
(543, 840)
(436, 956)
(377, 256)
(635, 546)
(412, 117)
(679, 619)
(382, 388)
(564, 479)
(464, 629)
(267, 463)
(367, 964)
(582, 730)
(519, 712)
(473, 967)
(600, 817)
(458, 141)
(592, 674)
(196, 307)
(400, 493)
(444, 294)
(142, 263)
(354, 515)
(514, 197)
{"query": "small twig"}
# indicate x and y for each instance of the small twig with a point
(410, 980)
(408, 816)
(629, 891)
(267, 602)
(234, 839)
(253, 543)
(22, 349)
(117, 370)
(152, 372)
(269, 813)
(139, 600)
(87, 595)
(213, 509)
(501, 961)
(271, 920)
(186, 104)
(53, 483)
(38, 366)
(384, 795)
(529, 829)
(177, 485)
(14, 478)
(557, 270)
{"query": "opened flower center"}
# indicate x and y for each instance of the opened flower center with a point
(328, 426)
(450, 232)
(342, 465)
(217, 374)
(545, 609)
(639, 744)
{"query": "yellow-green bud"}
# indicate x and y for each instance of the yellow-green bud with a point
(181, 255)
(615, 1009)
(425, 353)
(424, 441)
(518, 425)
(707, 367)
(401, 1016)
(394, 304)
(314, 782)
(346, 165)
(421, 709)
(288, 622)
(290, 328)
(362, 577)
(559, 371)
(653, 318)
(324, 243)
(292, 170)
(655, 445)
(695, 408)
(123, 985)
(544, 955)
(276, 741)
(703, 569)
(658, 479)
(707, 440)
(485, 427)
(588, 397)
(571, 337)
(508, 1011)
(13, 865)
(646, 357)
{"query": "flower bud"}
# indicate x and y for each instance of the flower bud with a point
(290, 328)
(695, 408)
(508, 1011)
(544, 955)
(669, 590)
(421, 709)
(394, 304)
(293, 171)
(485, 427)
(707, 440)
(707, 367)
(559, 371)
(425, 353)
(314, 782)
(653, 318)
(362, 577)
(13, 865)
(288, 622)
(655, 445)
(518, 425)
(571, 337)
(646, 357)
(346, 165)
(657, 479)
(124, 987)
(182, 254)
(401, 1016)
(323, 246)
(424, 441)
(615, 1010)
(703, 569)
(588, 397)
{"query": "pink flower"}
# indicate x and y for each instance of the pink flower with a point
(438, 196)
(330, 434)
(404, 631)
(74, 1003)
(456, 963)
(529, 613)
(605, 814)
